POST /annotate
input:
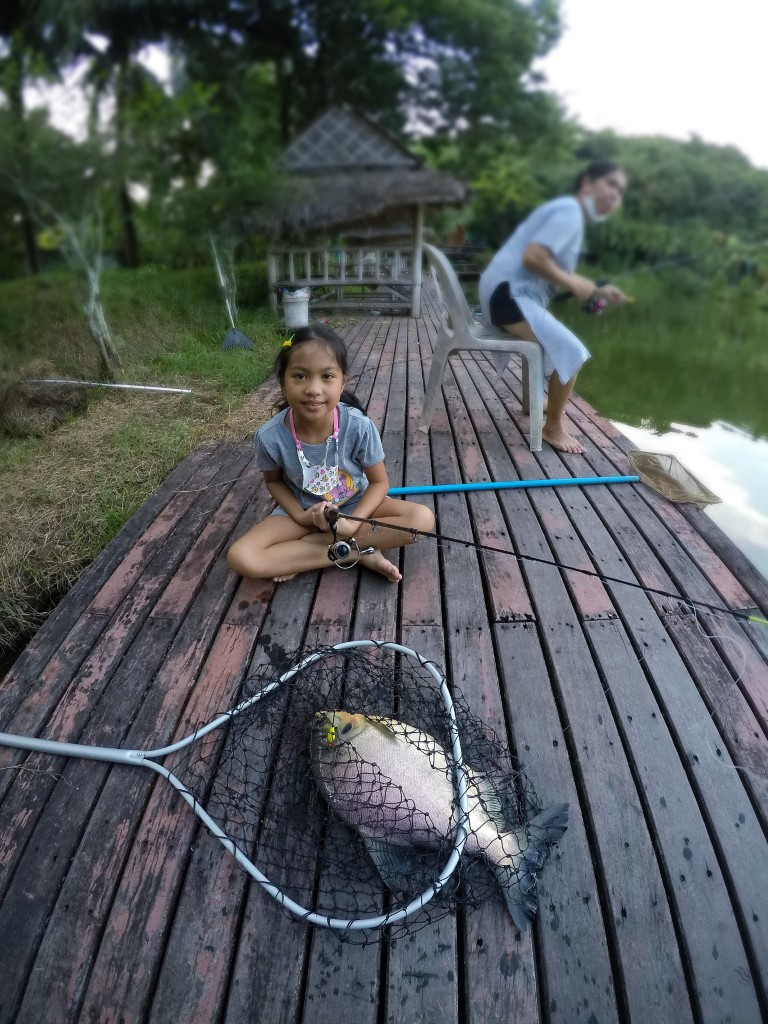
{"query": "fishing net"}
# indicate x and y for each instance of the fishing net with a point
(667, 475)
(356, 786)
(259, 780)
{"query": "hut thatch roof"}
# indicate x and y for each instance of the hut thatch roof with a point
(332, 201)
(341, 139)
(344, 170)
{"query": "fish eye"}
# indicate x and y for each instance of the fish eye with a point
(347, 727)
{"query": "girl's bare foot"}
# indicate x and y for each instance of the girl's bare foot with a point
(382, 565)
(283, 579)
(562, 441)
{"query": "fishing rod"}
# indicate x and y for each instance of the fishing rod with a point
(598, 305)
(106, 384)
(341, 550)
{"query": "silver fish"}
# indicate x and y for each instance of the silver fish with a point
(393, 783)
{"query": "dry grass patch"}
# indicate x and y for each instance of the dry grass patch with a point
(68, 493)
(30, 410)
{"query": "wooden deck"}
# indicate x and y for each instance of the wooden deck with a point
(118, 906)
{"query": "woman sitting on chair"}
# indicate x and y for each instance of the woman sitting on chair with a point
(533, 263)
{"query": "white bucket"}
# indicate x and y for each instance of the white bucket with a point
(296, 307)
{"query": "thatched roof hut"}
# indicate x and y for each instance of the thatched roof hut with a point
(345, 176)
(345, 170)
(333, 202)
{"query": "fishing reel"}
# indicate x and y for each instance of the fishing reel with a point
(596, 304)
(342, 550)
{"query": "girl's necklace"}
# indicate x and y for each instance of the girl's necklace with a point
(318, 479)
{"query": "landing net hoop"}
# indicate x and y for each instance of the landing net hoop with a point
(150, 759)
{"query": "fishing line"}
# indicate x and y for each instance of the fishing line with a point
(334, 514)
(723, 640)
(714, 752)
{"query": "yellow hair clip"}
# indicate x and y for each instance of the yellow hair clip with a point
(287, 342)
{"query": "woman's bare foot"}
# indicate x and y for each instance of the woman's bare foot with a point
(562, 441)
(283, 579)
(382, 565)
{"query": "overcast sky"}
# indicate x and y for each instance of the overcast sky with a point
(666, 67)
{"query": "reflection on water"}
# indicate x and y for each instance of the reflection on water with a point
(733, 465)
(675, 371)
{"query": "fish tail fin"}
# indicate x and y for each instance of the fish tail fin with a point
(517, 875)
(547, 828)
(518, 884)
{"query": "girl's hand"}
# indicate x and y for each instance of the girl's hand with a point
(315, 516)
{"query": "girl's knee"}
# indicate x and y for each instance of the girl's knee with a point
(240, 560)
(233, 559)
(423, 518)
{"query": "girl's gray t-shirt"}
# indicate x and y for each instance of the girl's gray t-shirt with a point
(359, 447)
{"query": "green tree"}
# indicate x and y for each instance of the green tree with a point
(249, 74)
(451, 66)
(26, 51)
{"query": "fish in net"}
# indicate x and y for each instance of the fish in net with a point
(368, 797)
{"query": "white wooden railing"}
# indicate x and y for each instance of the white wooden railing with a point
(378, 275)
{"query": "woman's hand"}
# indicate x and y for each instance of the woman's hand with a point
(582, 287)
(613, 294)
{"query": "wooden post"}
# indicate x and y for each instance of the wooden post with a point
(272, 279)
(418, 230)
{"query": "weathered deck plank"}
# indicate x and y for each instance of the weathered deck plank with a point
(650, 721)
(646, 942)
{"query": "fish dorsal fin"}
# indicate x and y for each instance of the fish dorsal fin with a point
(384, 725)
(490, 798)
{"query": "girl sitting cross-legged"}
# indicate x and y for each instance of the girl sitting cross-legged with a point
(321, 451)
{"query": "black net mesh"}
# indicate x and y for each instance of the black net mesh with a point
(351, 829)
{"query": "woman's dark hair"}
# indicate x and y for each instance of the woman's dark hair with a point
(334, 344)
(597, 169)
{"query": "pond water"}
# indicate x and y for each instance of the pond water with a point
(689, 377)
(732, 464)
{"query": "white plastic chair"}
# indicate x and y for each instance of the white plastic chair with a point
(461, 332)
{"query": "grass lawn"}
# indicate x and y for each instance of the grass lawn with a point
(67, 491)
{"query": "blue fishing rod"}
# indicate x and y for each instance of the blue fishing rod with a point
(505, 485)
